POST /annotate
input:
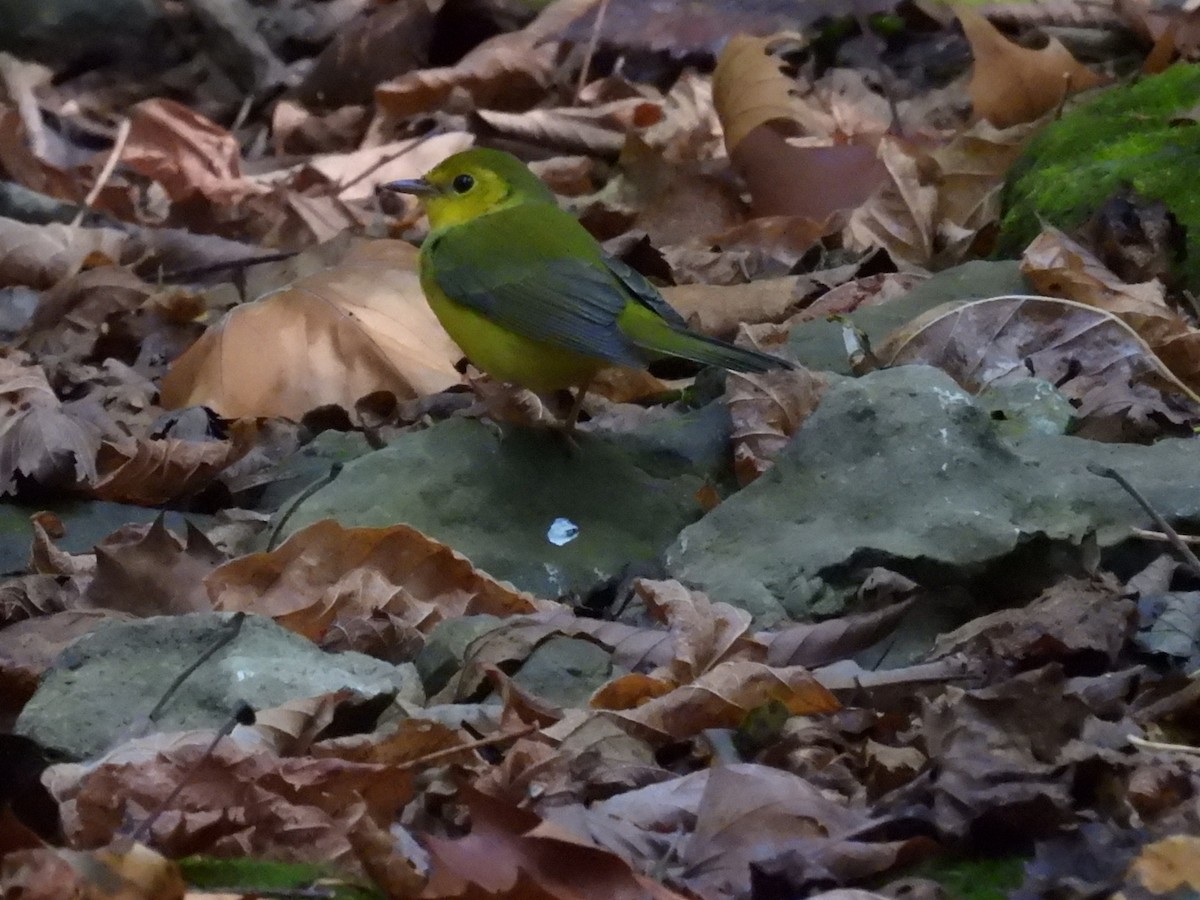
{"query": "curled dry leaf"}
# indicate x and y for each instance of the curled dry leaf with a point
(291, 729)
(749, 90)
(935, 203)
(599, 130)
(326, 574)
(186, 153)
(237, 800)
(1091, 355)
(39, 439)
(509, 71)
(155, 471)
(815, 644)
(512, 852)
(1060, 267)
(705, 633)
(758, 113)
(39, 256)
(767, 410)
(1012, 84)
(719, 698)
(335, 336)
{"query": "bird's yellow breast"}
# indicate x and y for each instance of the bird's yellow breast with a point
(504, 354)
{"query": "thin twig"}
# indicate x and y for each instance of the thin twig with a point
(438, 755)
(229, 630)
(242, 714)
(593, 42)
(1147, 535)
(342, 187)
(1172, 535)
(1143, 744)
(110, 165)
(334, 471)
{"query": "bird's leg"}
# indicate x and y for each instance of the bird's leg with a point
(577, 406)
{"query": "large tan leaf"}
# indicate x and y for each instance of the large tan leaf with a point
(330, 338)
(1011, 84)
(327, 574)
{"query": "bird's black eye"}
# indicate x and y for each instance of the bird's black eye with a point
(462, 183)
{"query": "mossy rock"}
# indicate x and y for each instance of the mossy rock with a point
(1141, 136)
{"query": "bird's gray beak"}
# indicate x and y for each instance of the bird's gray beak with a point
(418, 186)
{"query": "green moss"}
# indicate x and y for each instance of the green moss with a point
(1140, 135)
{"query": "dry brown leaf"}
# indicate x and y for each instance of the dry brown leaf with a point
(325, 574)
(1092, 355)
(347, 331)
(860, 293)
(749, 90)
(633, 648)
(512, 853)
(291, 729)
(37, 595)
(413, 740)
(1059, 266)
(815, 644)
(380, 43)
(186, 153)
(155, 471)
(147, 571)
(934, 204)
(509, 71)
(720, 309)
(236, 801)
(705, 634)
(39, 440)
(21, 163)
(767, 410)
(39, 256)
(598, 130)
(1012, 84)
(125, 872)
(758, 113)
(719, 698)
(1075, 619)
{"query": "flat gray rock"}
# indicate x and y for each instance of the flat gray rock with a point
(902, 468)
(526, 508)
(102, 687)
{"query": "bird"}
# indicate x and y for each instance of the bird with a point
(528, 294)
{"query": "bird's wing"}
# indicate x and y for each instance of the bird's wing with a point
(643, 291)
(533, 273)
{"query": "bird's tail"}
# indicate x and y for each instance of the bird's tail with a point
(665, 338)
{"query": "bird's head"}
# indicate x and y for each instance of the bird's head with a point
(474, 183)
